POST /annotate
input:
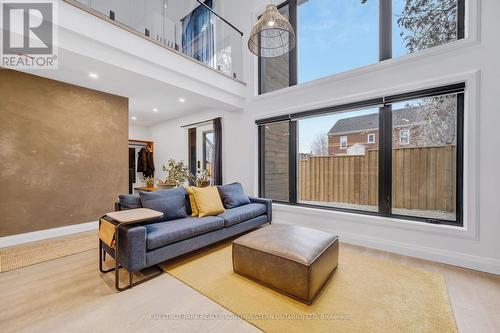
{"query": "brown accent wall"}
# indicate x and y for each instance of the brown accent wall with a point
(63, 153)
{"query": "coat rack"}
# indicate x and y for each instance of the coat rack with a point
(143, 143)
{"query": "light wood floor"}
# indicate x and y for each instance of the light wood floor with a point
(70, 295)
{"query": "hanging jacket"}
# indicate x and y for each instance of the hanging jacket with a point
(145, 163)
(131, 164)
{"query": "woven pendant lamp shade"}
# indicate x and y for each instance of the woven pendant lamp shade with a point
(272, 35)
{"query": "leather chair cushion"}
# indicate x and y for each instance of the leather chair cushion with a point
(291, 259)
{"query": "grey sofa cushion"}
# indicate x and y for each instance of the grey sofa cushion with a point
(233, 196)
(171, 202)
(129, 201)
(165, 233)
(243, 213)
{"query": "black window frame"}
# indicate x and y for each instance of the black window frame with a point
(385, 152)
(385, 36)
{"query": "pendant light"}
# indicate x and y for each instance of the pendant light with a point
(272, 35)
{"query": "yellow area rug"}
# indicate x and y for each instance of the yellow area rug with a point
(363, 295)
(28, 254)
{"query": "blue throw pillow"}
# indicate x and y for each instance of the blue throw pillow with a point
(171, 202)
(129, 201)
(232, 195)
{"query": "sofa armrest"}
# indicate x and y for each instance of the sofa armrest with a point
(132, 247)
(268, 203)
(118, 207)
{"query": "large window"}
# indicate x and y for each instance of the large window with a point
(424, 159)
(336, 168)
(417, 25)
(336, 36)
(410, 167)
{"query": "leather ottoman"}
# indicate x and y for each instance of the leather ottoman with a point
(294, 260)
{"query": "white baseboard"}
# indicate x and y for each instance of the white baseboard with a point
(46, 234)
(484, 264)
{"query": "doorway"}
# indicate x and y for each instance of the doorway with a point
(201, 149)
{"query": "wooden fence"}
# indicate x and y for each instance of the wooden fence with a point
(423, 178)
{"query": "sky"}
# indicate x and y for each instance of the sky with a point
(336, 36)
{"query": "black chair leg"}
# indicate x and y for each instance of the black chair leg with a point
(130, 279)
(102, 258)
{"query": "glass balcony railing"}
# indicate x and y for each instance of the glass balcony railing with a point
(189, 27)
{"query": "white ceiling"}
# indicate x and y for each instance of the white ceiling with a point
(144, 93)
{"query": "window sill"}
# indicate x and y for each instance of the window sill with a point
(365, 218)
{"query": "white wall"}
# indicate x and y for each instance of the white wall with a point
(474, 60)
(171, 142)
(139, 132)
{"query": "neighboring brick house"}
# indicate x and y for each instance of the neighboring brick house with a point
(362, 131)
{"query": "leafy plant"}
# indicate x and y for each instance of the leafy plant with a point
(150, 181)
(202, 178)
(176, 173)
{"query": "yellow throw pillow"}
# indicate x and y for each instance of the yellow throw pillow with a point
(208, 201)
(192, 201)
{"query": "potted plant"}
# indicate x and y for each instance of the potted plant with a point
(150, 181)
(202, 178)
(176, 174)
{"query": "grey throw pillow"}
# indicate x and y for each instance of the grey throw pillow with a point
(129, 201)
(232, 195)
(172, 203)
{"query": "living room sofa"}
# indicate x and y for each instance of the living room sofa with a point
(145, 245)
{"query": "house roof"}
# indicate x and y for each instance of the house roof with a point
(401, 117)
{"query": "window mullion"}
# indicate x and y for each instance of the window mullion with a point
(292, 165)
(385, 29)
(261, 160)
(460, 19)
(459, 159)
(292, 56)
(385, 161)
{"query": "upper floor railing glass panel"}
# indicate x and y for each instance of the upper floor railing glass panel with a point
(190, 27)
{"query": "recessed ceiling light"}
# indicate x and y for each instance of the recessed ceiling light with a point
(134, 118)
(94, 75)
(155, 110)
(182, 100)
